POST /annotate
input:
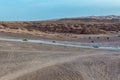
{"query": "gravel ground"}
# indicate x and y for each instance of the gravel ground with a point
(29, 61)
(32, 61)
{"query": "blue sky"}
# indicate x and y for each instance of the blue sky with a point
(51, 9)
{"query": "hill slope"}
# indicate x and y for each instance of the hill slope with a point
(87, 25)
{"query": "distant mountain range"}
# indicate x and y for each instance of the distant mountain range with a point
(109, 17)
(105, 17)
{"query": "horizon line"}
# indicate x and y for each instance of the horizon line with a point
(49, 19)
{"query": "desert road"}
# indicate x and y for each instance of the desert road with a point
(62, 43)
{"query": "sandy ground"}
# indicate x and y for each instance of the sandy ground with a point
(109, 39)
(30, 61)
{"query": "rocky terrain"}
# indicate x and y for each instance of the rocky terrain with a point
(83, 25)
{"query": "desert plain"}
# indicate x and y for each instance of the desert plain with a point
(38, 61)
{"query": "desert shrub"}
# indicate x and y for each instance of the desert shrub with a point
(108, 38)
(53, 41)
(89, 37)
(25, 39)
(98, 37)
(118, 35)
(92, 41)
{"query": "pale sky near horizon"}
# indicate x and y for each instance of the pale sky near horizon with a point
(16, 10)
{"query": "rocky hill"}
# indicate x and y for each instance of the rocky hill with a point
(84, 25)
